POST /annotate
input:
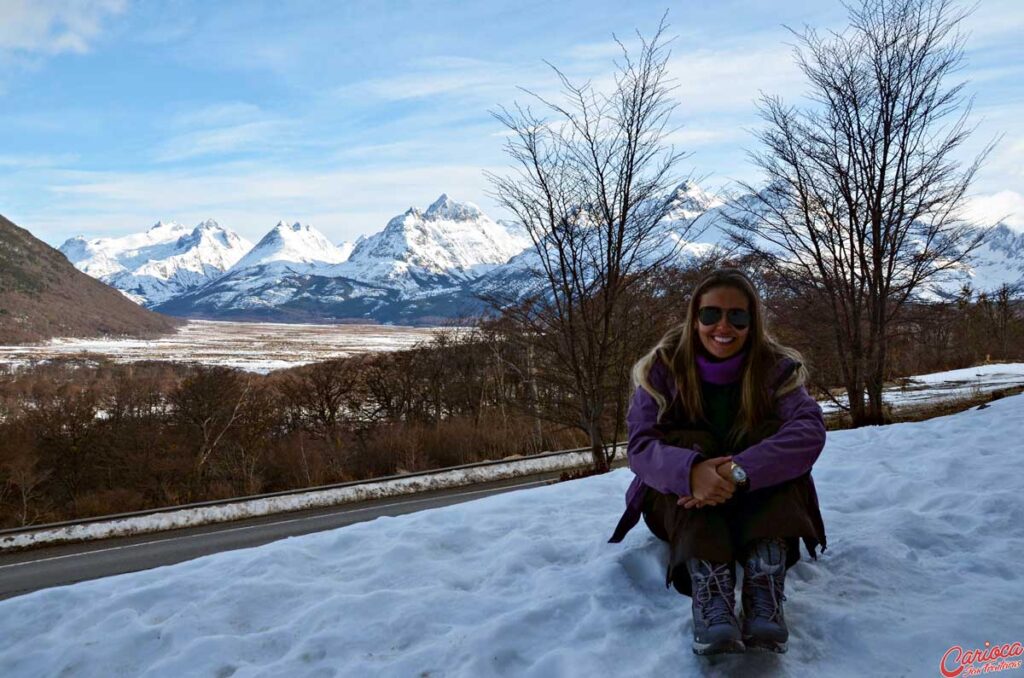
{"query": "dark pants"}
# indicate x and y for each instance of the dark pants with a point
(723, 533)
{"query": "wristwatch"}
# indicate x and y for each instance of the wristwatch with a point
(739, 476)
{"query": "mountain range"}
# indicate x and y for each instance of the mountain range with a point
(424, 267)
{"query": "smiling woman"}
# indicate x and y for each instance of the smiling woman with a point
(724, 318)
(722, 437)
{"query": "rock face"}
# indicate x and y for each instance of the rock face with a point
(43, 296)
(164, 262)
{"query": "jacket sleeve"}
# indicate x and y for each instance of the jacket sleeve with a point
(790, 452)
(666, 468)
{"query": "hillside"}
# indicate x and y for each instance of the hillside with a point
(43, 296)
(921, 558)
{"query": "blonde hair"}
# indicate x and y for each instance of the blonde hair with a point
(678, 351)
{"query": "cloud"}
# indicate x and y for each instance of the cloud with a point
(1005, 206)
(51, 27)
(731, 80)
(224, 129)
(254, 136)
(221, 113)
(438, 76)
(26, 161)
(692, 137)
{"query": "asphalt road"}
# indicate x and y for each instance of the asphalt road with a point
(44, 567)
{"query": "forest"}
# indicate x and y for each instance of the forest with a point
(86, 438)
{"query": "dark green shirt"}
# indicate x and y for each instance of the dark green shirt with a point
(721, 405)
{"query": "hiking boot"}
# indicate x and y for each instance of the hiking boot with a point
(764, 576)
(715, 626)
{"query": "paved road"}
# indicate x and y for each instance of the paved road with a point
(65, 564)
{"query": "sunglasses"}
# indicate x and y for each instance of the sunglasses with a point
(737, 317)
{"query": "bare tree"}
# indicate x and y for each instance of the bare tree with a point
(24, 474)
(863, 195)
(207, 405)
(590, 184)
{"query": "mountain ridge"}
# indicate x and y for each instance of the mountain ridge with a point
(438, 262)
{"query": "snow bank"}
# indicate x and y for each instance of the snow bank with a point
(925, 524)
(206, 515)
(949, 385)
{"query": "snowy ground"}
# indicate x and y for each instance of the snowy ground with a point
(257, 347)
(925, 524)
(949, 385)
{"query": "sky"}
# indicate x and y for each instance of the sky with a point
(117, 114)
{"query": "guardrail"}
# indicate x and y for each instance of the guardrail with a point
(224, 510)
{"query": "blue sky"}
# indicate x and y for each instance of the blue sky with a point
(117, 114)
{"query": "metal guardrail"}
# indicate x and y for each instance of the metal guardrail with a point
(285, 493)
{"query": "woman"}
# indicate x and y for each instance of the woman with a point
(722, 438)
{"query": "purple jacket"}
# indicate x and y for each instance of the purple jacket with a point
(788, 454)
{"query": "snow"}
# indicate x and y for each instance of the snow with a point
(255, 347)
(948, 385)
(297, 243)
(451, 246)
(167, 260)
(450, 241)
(925, 528)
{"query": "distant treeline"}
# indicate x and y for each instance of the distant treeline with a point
(81, 439)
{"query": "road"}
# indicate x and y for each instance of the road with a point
(58, 565)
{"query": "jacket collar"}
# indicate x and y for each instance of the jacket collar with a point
(721, 372)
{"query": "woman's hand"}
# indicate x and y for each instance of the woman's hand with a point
(710, 483)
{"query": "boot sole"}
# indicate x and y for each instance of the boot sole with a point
(722, 647)
(766, 645)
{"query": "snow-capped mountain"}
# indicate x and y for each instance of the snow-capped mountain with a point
(448, 244)
(693, 215)
(274, 273)
(165, 261)
(296, 244)
(424, 266)
(421, 266)
(346, 247)
(998, 260)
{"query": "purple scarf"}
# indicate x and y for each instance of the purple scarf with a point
(721, 372)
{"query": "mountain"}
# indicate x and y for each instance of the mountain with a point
(285, 277)
(418, 270)
(692, 214)
(449, 244)
(296, 244)
(429, 265)
(998, 260)
(43, 296)
(166, 261)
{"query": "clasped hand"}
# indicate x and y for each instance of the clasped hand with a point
(710, 482)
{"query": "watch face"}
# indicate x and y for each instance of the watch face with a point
(738, 474)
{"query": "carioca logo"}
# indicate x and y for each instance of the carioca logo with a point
(962, 659)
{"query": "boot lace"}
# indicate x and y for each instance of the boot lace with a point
(717, 580)
(764, 606)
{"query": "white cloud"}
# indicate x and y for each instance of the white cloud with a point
(53, 26)
(249, 136)
(1004, 206)
(26, 161)
(223, 113)
(692, 137)
(731, 80)
(439, 76)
